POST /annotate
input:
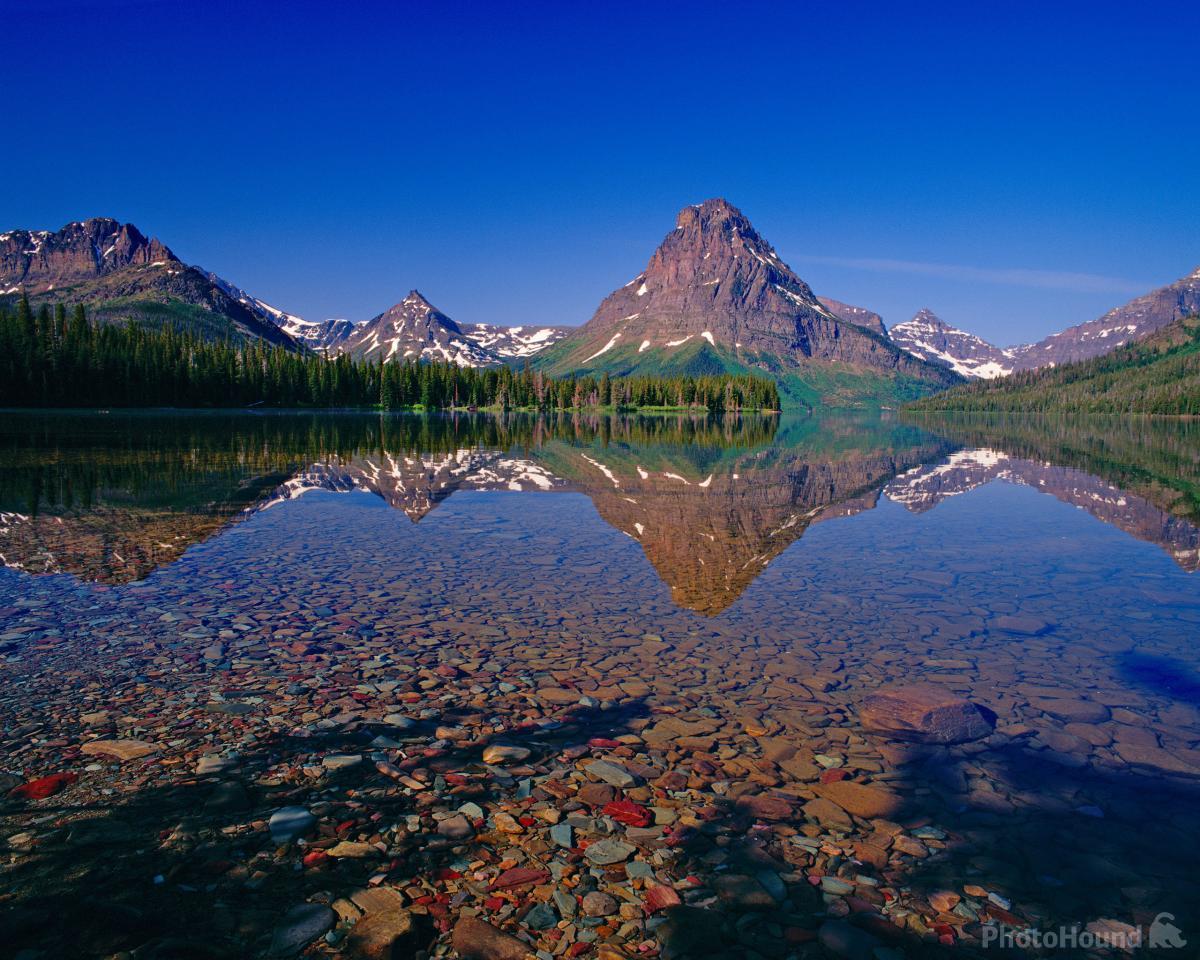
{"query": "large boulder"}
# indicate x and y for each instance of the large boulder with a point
(383, 935)
(924, 713)
(473, 939)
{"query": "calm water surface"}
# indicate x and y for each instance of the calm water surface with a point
(760, 576)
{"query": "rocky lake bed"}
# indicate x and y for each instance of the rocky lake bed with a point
(453, 702)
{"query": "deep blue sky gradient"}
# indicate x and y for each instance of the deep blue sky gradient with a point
(1015, 167)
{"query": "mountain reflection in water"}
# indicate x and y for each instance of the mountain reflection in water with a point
(712, 502)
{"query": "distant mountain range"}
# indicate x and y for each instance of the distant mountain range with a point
(1159, 374)
(714, 297)
(120, 275)
(929, 337)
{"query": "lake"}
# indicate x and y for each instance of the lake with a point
(847, 686)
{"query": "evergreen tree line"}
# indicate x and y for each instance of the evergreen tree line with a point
(60, 358)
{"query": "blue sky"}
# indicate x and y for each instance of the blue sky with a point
(1015, 167)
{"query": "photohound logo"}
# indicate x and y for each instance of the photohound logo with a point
(1114, 935)
(1164, 935)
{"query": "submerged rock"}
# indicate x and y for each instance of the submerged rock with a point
(924, 713)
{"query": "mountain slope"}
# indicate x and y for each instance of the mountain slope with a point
(929, 337)
(1157, 375)
(123, 275)
(716, 296)
(319, 335)
(1134, 320)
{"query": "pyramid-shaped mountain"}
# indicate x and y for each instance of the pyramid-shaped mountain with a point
(414, 329)
(715, 296)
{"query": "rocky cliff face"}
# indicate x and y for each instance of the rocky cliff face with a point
(40, 260)
(1134, 320)
(122, 275)
(929, 337)
(714, 280)
(856, 315)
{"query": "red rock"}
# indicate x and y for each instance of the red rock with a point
(44, 787)
(660, 897)
(862, 800)
(518, 877)
(604, 743)
(763, 807)
(832, 776)
(315, 858)
(627, 812)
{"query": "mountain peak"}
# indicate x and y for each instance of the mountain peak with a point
(1194, 275)
(932, 339)
(414, 329)
(706, 214)
(925, 315)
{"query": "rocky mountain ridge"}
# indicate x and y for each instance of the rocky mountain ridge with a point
(929, 337)
(1135, 320)
(121, 274)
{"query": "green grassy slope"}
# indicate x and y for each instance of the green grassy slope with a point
(803, 384)
(1159, 375)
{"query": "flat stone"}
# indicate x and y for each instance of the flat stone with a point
(349, 850)
(541, 917)
(608, 851)
(383, 935)
(925, 713)
(563, 834)
(118, 749)
(498, 753)
(742, 892)
(765, 807)
(597, 904)
(299, 927)
(340, 761)
(868, 802)
(457, 827)
(377, 899)
(288, 823)
(611, 774)
(828, 814)
(1072, 710)
(214, 763)
(1026, 626)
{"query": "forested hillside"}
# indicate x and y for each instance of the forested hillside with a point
(1159, 375)
(61, 359)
